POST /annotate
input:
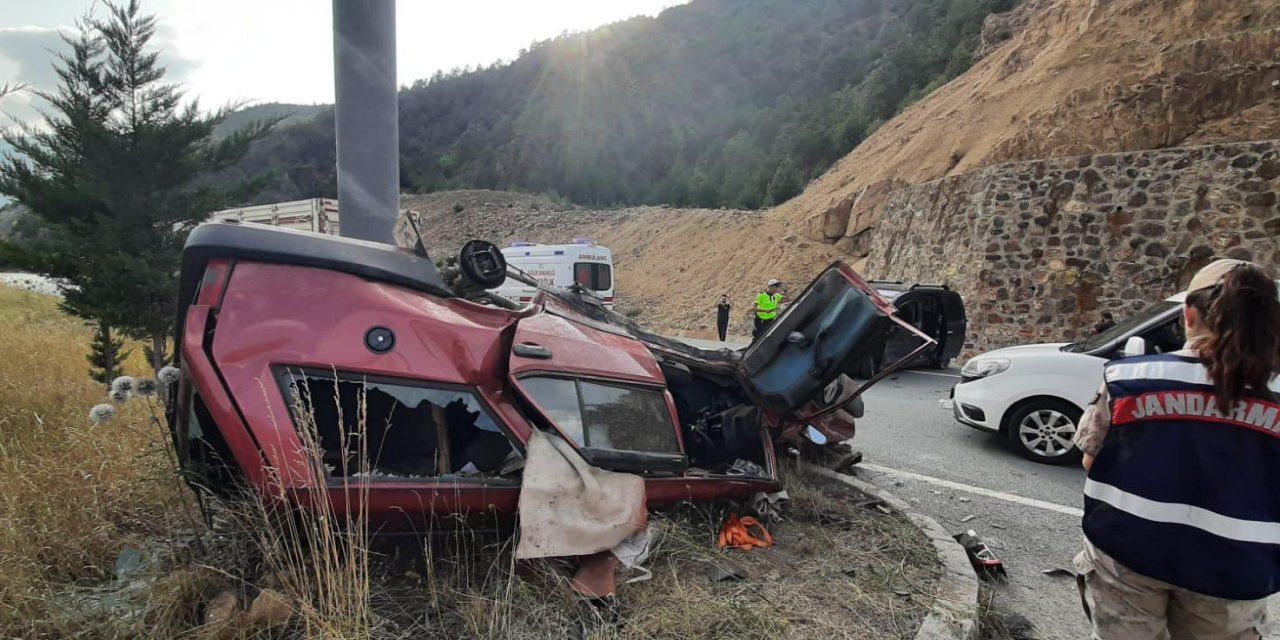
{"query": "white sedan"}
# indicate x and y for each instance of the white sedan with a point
(1035, 394)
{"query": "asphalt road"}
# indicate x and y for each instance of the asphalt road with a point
(1028, 513)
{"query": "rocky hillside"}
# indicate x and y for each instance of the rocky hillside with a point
(1061, 78)
(671, 264)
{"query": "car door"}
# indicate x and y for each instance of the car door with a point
(838, 319)
(1166, 337)
(956, 325)
(898, 343)
(602, 391)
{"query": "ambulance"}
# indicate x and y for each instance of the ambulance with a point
(560, 265)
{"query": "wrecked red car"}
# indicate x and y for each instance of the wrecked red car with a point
(303, 352)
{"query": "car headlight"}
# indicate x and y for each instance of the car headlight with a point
(983, 367)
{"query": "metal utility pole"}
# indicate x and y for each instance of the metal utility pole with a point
(366, 117)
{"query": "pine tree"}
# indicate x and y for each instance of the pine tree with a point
(106, 352)
(118, 176)
(785, 183)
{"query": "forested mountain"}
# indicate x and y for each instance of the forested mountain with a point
(733, 103)
(289, 114)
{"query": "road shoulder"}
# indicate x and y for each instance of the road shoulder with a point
(955, 610)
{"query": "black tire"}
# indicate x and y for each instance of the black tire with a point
(940, 363)
(866, 367)
(1037, 429)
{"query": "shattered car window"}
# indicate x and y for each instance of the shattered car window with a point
(558, 398)
(379, 429)
(601, 416)
(627, 418)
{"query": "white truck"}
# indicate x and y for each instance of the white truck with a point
(319, 215)
(560, 265)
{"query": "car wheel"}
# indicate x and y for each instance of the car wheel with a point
(865, 369)
(1041, 430)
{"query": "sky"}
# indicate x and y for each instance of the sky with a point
(226, 51)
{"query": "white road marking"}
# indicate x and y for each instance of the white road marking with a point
(990, 493)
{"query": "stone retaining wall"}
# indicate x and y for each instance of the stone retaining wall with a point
(1039, 249)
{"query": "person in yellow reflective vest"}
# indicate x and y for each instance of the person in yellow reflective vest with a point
(766, 307)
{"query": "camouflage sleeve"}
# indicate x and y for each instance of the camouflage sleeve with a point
(1094, 423)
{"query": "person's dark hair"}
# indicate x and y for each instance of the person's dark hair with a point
(1242, 351)
(1106, 315)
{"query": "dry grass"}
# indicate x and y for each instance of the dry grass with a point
(321, 561)
(76, 495)
(839, 570)
(995, 622)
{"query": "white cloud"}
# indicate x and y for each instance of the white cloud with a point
(282, 50)
(28, 55)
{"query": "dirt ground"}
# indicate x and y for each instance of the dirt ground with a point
(842, 566)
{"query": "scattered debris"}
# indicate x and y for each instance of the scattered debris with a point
(998, 622)
(996, 525)
(1059, 572)
(899, 483)
(965, 499)
(223, 610)
(633, 552)
(747, 468)
(883, 509)
(594, 578)
(270, 609)
(984, 562)
(743, 533)
(727, 572)
(967, 518)
(128, 564)
(767, 505)
(848, 461)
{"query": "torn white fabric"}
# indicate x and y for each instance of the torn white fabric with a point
(570, 508)
(634, 552)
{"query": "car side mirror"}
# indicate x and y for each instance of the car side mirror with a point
(815, 436)
(1135, 346)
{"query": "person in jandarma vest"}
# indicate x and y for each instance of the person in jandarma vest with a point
(1182, 496)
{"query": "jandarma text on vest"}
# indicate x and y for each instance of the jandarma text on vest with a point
(1196, 405)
